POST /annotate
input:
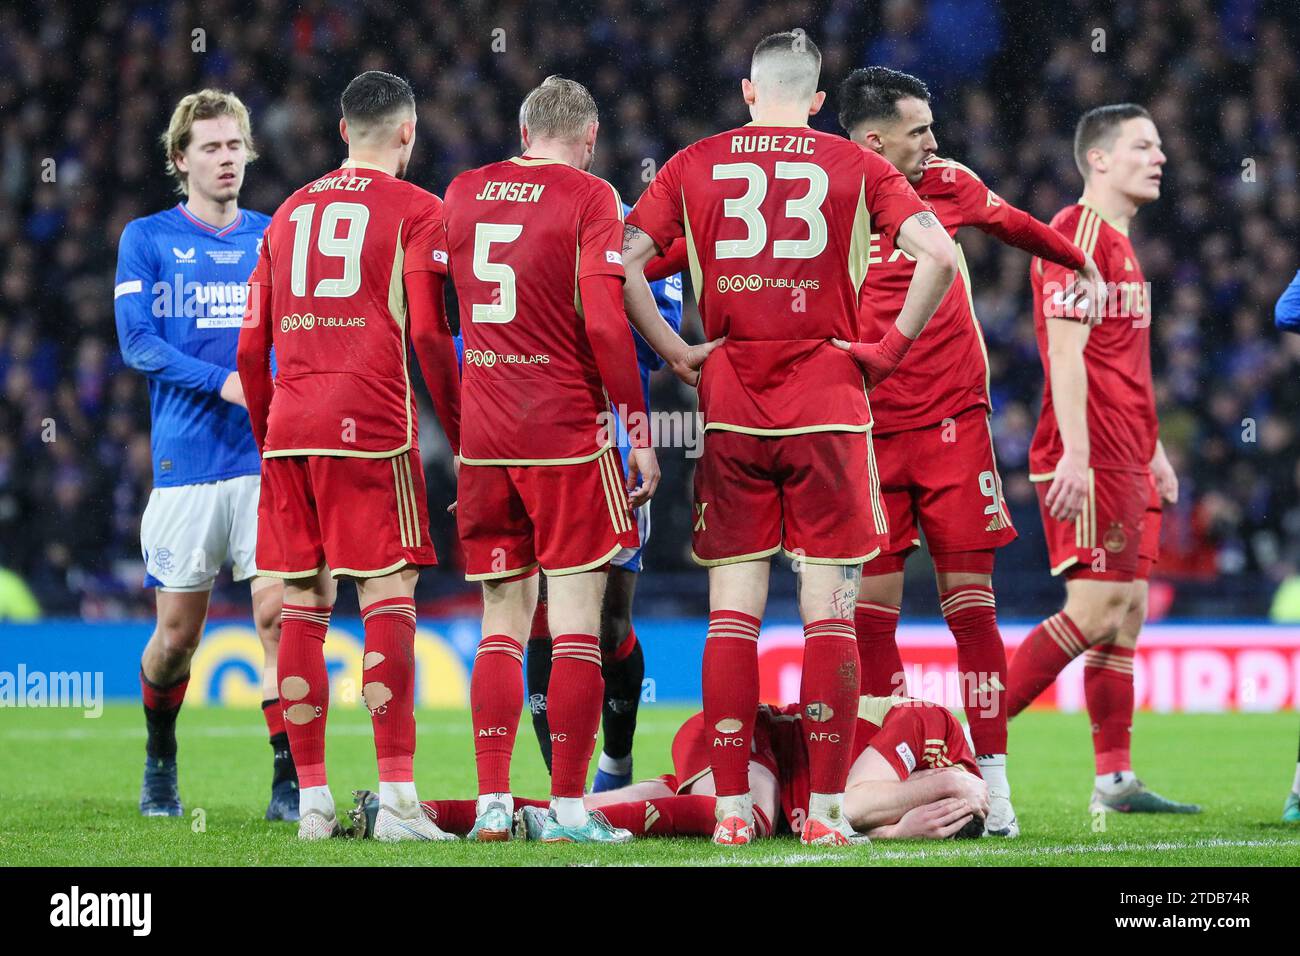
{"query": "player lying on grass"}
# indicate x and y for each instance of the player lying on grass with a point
(912, 775)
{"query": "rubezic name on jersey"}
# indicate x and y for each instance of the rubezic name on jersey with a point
(765, 143)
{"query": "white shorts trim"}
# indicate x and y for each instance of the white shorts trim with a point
(630, 558)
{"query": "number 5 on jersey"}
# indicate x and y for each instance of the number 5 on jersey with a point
(502, 309)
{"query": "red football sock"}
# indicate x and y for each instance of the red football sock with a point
(158, 697)
(305, 688)
(1108, 689)
(457, 816)
(161, 707)
(573, 706)
(684, 815)
(273, 714)
(972, 616)
(879, 665)
(496, 693)
(730, 697)
(388, 685)
(828, 692)
(624, 648)
(1041, 656)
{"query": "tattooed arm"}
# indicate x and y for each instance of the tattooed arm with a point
(639, 302)
(923, 237)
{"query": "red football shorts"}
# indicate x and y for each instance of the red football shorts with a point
(814, 495)
(363, 517)
(943, 481)
(1149, 549)
(919, 735)
(1102, 543)
(565, 518)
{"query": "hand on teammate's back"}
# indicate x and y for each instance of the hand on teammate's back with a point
(1089, 277)
(642, 476)
(877, 359)
(232, 390)
(687, 367)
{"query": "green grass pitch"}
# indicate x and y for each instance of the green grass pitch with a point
(71, 784)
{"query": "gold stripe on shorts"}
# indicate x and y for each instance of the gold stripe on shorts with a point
(877, 508)
(410, 500)
(402, 525)
(610, 480)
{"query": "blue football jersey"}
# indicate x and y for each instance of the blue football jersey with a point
(668, 296)
(1286, 314)
(179, 300)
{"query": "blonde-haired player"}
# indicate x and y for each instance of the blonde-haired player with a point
(179, 299)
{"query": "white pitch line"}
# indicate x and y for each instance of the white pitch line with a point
(815, 857)
(123, 733)
(252, 729)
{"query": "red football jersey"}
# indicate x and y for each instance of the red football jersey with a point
(334, 256)
(520, 234)
(777, 221)
(946, 371)
(1122, 428)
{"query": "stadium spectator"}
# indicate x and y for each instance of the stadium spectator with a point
(85, 89)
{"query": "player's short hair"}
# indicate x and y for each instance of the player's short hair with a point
(872, 94)
(205, 104)
(558, 109)
(375, 96)
(787, 65)
(1098, 128)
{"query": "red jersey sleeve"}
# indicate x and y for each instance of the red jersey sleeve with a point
(600, 232)
(425, 236)
(987, 211)
(1059, 299)
(253, 352)
(672, 261)
(658, 213)
(891, 200)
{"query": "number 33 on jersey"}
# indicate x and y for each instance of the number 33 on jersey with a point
(778, 222)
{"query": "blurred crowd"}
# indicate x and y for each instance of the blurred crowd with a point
(86, 88)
